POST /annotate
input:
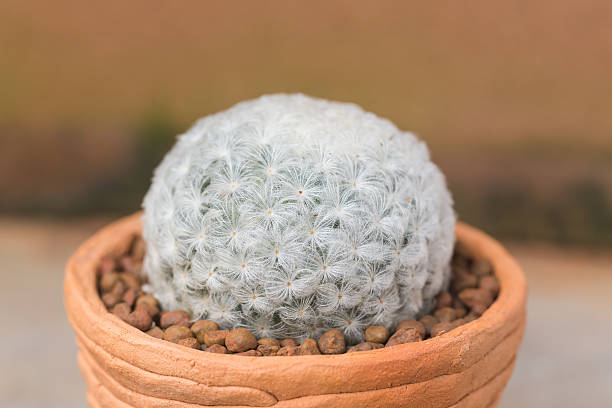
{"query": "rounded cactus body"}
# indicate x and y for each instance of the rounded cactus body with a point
(289, 215)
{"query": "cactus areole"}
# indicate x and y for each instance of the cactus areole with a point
(290, 215)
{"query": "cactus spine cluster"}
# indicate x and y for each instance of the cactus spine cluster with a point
(290, 215)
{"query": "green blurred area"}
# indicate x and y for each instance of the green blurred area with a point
(513, 98)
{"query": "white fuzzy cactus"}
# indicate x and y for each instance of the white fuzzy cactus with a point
(289, 215)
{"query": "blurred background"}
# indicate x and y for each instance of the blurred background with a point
(514, 99)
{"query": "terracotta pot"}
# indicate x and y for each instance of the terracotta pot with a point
(124, 367)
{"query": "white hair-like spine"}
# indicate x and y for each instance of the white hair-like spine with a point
(290, 215)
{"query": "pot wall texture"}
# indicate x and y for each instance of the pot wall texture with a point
(124, 367)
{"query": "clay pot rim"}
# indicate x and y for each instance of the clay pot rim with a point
(511, 298)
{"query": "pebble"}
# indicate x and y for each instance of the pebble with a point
(413, 324)
(130, 296)
(446, 314)
(489, 283)
(203, 326)
(309, 348)
(376, 334)
(121, 310)
(240, 340)
(481, 267)
(478, 300)
(217, 348)
(190, 342)
(174, 318)
(289, 342)
(268, 341)
(149, 299)
(266, 350)
(402, 336)
(215, 337)
(107, 281)
(250, 353)
(461, 281)
(428, 321)
(107, 265)
(176, 333)
(288, 351)
(332, 342)
(130, 281)
(444, 299)
(156, 332)
(140, 319)
(443, 327)
(365, 346)
(110, 299)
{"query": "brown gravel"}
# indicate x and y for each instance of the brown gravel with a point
(481, 267)
(215, 337)
(203, 326)
(332, 342)
(156, 332)
(376, 334)
(309, 347)
(217, 348)
(442, 328)
(444, 299)
(190, 342)
(478, 300)
(121, 310)
(428, 321)
(174, 318)
(140, 319)
(107, 281)
(463, 280)
(366, 346)
(176, 333)
(489, 283)
(402, 336)
(240, 340)
(446, 314)
(250, 353)
(266, 350)
(412, 324)
(130, 296)
(131, 282)
(268, 341)
(288, 351)
(289, 342)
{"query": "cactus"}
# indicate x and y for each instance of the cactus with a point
(290, 215)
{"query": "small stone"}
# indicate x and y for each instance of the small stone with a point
(460, 312)
(268, 341)
(156, 332)
(428, 321)
(250, 353)
(489, 283)
(140, 319)
(215, 337)
(482, 267)
(139, 248)
(173, 318)
(288, 351)
(443, 327)
(266, 350)
(444, 299)
(108, 281)
(147, 299)
(151, 310)
(402, 336)
(240, 340)
(332, 342)
(462, 250)
(365, 346)
(176, 333)
(121, 310)
(129, 296)
(110, 299)
(190, 342)
(478, 300)
(202, 326)
(461, 281)
(309, 348)
(203, 347)
(217, 348)
(130, 281)
(376, 334)
(107, 265)
(413, 324)
(289, 342)
(446, 314)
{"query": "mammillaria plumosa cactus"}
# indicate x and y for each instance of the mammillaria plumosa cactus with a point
(290, 215)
